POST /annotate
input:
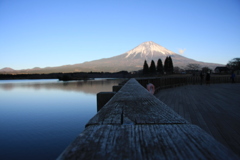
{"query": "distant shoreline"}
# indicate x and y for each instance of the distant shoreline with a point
(92, 75)
(65, 76)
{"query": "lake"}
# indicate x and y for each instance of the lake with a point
(40, 118)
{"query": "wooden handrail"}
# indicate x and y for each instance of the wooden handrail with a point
(169, 82)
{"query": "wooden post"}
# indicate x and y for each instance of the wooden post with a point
(103, 98)
(116, 88)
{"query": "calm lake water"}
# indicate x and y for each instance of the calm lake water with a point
(40, 118)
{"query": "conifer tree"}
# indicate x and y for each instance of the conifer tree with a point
(170, 65)
(166, 64)
(159, 66)
(145, 68)
(152, 67)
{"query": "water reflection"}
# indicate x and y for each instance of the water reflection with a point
(40, 118)
(88, 87)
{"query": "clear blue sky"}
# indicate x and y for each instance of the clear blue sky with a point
(42, 33)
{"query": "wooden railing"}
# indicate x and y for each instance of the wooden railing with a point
(169, 82)
(134, 124)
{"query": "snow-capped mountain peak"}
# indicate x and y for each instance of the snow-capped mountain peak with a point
(132, 60)
(148, 49)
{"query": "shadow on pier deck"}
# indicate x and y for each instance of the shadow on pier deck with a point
(136, 125)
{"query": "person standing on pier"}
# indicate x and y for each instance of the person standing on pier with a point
(233, 77)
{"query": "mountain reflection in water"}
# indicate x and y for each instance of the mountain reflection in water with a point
(87, 86)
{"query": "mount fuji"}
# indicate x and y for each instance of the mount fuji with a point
(129, 61)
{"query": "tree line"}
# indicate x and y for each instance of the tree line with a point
(234, 64)
(167, 67)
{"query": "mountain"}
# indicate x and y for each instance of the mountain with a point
(6, 69)
(130, 61)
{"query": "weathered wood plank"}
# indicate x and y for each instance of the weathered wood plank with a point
(134, 105)
(136, 125)
(214, 108)
(182, 141)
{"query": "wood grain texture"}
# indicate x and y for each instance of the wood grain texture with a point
(134, 105)
(136, 125)
(182, 141)
(215, 108)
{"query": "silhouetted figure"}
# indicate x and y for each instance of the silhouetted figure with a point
(233, 77)
(208, 78)
(201, 77)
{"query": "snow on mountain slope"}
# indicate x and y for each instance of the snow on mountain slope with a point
(148, 49)
(129, 61)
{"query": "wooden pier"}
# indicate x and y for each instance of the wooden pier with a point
(136, 125)
(215, 108)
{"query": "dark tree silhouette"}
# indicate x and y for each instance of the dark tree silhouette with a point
(206, 69)
(234, 64)
(177, 69)
(145, 68)
(193, 66)
(152, 68)
(166, 64)
(170, 65)
(160, 66)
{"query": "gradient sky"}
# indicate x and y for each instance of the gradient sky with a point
(42, 33)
